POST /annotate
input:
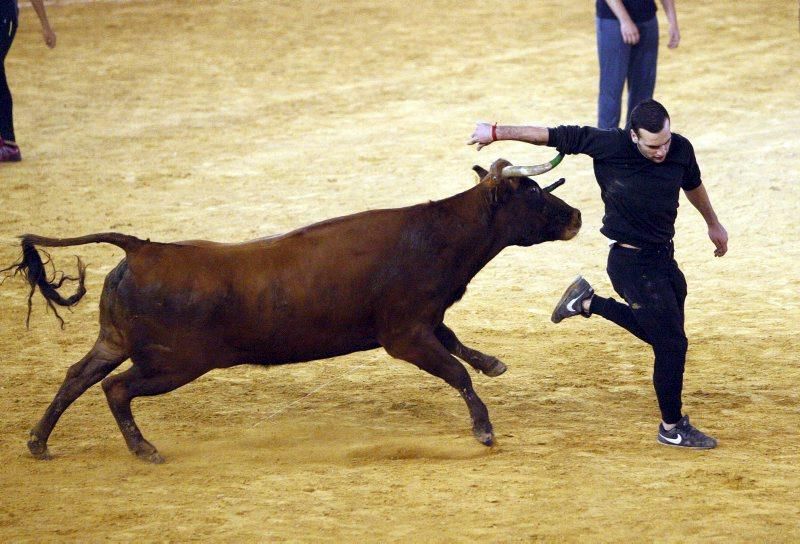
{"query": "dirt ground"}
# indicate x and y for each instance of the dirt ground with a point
(244, 119)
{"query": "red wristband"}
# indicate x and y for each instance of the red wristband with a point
(494, 132)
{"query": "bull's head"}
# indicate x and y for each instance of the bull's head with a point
(527, 213)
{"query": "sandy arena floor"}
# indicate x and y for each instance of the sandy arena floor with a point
(244, 119)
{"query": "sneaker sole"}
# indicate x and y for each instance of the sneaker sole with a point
(555, 318)
(681, 446)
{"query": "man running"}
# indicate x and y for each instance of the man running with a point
(640, 173)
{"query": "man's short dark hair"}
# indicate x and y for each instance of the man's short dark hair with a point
(649, 115)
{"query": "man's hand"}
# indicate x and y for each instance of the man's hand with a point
(49, 37)
(482, 135)
(719, 236)
(674, 36)
(629, 31)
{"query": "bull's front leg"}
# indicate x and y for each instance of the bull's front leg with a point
(423, 349)
(491, 366)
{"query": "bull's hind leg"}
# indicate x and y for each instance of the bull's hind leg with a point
(424, 350)
(491, 366)
(122, 388)
(95, 365)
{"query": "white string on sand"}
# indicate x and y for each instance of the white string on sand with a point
(324, 385)
(52, 3)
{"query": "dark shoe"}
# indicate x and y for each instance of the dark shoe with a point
(9, 153)
(685, 435)
(571, 302)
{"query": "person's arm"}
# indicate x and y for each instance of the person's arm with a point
(719, 236)
(47, 32)
(628, 29)
(570, 140)
(485, 134)
(672, 18)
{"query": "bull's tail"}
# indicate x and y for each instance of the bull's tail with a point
(33, 269)
(126, 242)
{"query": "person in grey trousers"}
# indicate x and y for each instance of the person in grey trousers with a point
(627, 48)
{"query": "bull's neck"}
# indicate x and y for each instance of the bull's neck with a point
(474, 237)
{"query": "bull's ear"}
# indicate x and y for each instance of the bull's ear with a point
(482, 172)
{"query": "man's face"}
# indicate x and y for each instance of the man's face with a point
(653, 146)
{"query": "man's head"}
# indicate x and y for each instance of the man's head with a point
(650, 130)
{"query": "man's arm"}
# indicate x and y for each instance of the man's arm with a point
(47, 32)
(719, 236)
(570, 140)
(672, 18)
(485, 134)
(628, 29)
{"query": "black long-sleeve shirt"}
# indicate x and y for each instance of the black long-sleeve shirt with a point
(8, 8)
(638, 10)
(640, 196)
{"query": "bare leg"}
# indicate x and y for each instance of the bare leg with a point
(491, 366)
(121, 388)
(423, 349)
(94, 366)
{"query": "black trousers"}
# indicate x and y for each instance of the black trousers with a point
(8, 29)
(655, 290)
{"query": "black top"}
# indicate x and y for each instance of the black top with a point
(640, 196)
(639, 10)
(8, 8)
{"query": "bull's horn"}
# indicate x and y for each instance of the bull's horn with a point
(554, 185)
(518, 171)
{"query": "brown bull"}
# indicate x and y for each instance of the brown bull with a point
(378, 278)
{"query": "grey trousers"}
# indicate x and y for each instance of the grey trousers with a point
(619, 63)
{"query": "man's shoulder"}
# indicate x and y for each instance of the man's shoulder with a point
(592, 141)
(681, 140)
(619, 133)
(616, 140)
(681, 145)
(609, 135)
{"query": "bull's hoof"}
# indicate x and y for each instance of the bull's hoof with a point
(152, 457)
(147, 452)
(484, 437)
(495, 368)
(38, 448)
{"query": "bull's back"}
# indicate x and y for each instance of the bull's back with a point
(313, 293)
